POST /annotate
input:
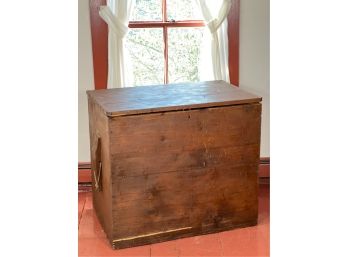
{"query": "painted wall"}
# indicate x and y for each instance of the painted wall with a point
(254, 58)
(254, 65)
(86, 80)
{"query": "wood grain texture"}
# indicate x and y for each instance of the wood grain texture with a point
(176, 162)
(85, 178)
(172, 97)
(98, 127)
(193, 169)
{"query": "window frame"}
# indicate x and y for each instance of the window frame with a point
(165, 24)
(99, 32)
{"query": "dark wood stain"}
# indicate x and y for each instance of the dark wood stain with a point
(171, 171)
(98, 127)
(171, 97)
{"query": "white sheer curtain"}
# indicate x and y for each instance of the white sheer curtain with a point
(214, 51)
(116, 15)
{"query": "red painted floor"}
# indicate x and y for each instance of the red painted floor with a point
(251, 241)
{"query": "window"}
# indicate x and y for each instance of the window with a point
(164, 41)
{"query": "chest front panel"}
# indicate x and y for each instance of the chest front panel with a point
(184, 171)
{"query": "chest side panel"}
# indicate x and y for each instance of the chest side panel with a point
(184, 173)
(98, 126)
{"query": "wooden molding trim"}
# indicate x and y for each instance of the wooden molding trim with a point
(233, 42)
(99, 31)
(265, 160)
(264, 168)
(84, 175)
(85, 181)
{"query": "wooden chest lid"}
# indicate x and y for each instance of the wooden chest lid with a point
(171, 97)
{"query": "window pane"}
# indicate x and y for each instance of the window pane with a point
(183, 54)
(145, 48)
(183, 10)
(147, 10)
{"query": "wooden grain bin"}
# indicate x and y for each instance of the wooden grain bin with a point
(172, 161)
